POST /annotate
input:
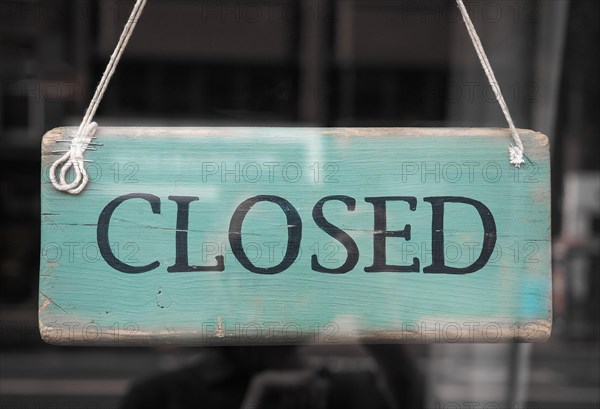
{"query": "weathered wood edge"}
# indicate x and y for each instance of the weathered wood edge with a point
(495, 332)
(70, 131)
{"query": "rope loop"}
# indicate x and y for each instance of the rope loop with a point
(74, 156)
(73, 159)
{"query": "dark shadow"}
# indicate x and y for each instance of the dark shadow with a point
(286, 377)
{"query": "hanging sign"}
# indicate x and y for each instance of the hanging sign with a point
(289, 235)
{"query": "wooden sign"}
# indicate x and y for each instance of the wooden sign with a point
(289, 235)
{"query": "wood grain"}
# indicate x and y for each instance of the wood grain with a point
(83, 300)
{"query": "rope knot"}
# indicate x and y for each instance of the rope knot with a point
(516, 155)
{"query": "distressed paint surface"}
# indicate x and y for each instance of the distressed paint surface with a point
(85, 301)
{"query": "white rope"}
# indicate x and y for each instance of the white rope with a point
(516, 150)
(74, 156)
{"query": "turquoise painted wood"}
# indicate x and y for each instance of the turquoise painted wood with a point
(114, 271)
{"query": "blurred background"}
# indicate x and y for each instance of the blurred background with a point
(308, 63)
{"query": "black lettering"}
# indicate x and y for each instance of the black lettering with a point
(380, 234)
(102, 233)
(337, 234)
(294, 224)
(181, 240)
(438, 265)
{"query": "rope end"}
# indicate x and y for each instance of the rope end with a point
(516, 155)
